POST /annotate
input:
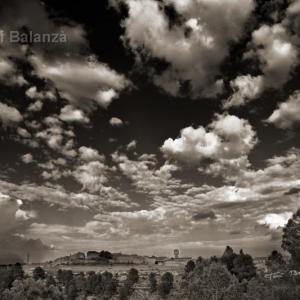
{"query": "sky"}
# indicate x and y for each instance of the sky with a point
(151, 125)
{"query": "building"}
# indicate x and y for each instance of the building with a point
(160, 260)
(119, 258)
(177, 262)
(150, 260)
(77, 256)
(92, 255)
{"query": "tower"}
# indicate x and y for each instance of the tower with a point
(176, 253)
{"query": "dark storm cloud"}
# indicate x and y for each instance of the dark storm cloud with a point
(293, 191)
(203, 215)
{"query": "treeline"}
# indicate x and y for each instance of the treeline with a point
(65, 285)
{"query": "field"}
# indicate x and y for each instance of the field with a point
(114, 269)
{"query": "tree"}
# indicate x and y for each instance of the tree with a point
(228, 258)
(243, 266)
(190, 266)
(133, 275)
(153, 282)
(275, 261)
(30, 289)
(166, 284)
(6, 280)
(105, 254)
(259, 289)
(209, 283)
(17, 271)
(50, 280)
(71, 290)
(92, 283)
(124, 292)
(109, 285)
(9, 275)
(81, 283)
(39, 273)
(291, 237)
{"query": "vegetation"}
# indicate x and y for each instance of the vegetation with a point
(166, 284)
(291, 237)
(275, 261)
(152, 282)
(231, 276)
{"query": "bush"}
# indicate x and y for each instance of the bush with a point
(39, 273)
(190, 266)
(153, 283)
(166, 284)
(133, 276)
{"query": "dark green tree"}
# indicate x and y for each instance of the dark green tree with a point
(50, 280)
(291, 237)
(275, 261)
(190, 266)
(243, 267)
(153, 282)
(133, 276)
(71, 290)
(106, 254)
(166, 284)
(209, 283)
(39, 273)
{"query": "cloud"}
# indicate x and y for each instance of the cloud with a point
(56, 195)
(287, 114)
(275, 221)
(69, 67)
(227, 137)
(84, 83)
(36, 106)
(23, 132)
(13, 219)
(90, 154)
(203, 215)
(9, 74)
(91, 175)
(12, 215)
(9, 115)
(56, 137)
(155, 181)
(246, 88)
(27, 158)
(32, 93)
(278, 54)
(116, 122)
(131, 145)
(294, 7)
(193, 49)
(71, 114)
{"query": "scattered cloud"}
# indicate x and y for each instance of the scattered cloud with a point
(287, 114)
(116, 122)
(86, 84)
(246, 88)
(27, 158)
(9, 115)
(90, 154)
(71, 114)
(131, 145)
(277, 51)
